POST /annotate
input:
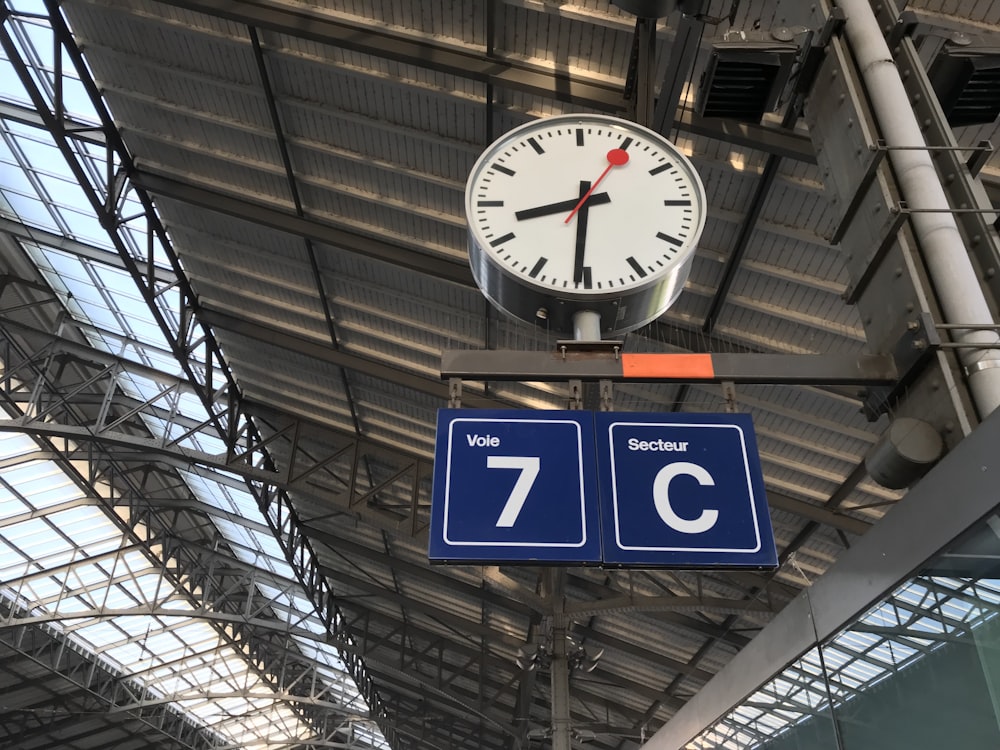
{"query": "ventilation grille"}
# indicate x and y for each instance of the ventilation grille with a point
(967, 84)
(744, 81)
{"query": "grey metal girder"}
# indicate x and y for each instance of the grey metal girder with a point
(146, 450)
(78, 248)
(488, 69)
(325, 353)
(405, 256)
(795, 369)
(97, 682)
(380, 664)
(184, 562)
(92, 357)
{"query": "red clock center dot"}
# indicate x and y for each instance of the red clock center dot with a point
(617, 157)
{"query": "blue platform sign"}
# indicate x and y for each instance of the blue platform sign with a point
(514, 486)
(683, 491)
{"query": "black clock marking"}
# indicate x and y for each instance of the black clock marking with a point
(490, 204)
(668, 238)
(588, 279)
(579, 136)
(539, 265)
(595, 199)
(636, 267)
(500, 240)
(625, 144)
(503, 169)
(679, 202)
(534, 144)
(661, 168)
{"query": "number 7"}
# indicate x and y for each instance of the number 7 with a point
(528, 466)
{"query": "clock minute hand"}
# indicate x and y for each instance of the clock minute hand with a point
(583, 211)
(557, 208)
(616, 157)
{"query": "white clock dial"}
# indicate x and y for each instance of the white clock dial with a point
(583, 210)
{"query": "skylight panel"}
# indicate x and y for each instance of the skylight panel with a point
(34, 38)
(72, 561)
(36, 542)
(893, 652)
(14, 177)
(11, 505)
(257, 548)
(55, 575)
(31, 476)
(9, 84)
(14, 444)
(88, 528)
(28, 208)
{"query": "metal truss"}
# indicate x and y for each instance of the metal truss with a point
(70, 397)
(191, 343)
(398, 651)
(101, 689)
(217, 588)
(224, 591)
(314, 461)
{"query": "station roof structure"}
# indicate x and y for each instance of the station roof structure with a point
(232, 252)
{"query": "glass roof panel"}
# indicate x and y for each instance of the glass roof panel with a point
(70, 560)
(885, 639)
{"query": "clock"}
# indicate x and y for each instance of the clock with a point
(583, 215)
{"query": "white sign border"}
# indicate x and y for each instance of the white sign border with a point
(746, 471)
(583, 497)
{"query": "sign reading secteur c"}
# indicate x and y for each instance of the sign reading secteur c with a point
(514, 486)
(683, 491)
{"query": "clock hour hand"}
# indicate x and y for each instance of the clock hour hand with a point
(581, 273)
(557, 208)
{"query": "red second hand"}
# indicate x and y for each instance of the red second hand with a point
(616, 157)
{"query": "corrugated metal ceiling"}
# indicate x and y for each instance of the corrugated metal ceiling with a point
(325, 245)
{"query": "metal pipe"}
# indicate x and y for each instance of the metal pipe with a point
(554, 587)
(586, 325)
(951, 271)
(559, 676)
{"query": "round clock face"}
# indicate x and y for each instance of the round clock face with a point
(584, 207)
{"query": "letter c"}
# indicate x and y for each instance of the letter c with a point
(661, 498)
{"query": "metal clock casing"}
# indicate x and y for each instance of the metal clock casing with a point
(641, 222)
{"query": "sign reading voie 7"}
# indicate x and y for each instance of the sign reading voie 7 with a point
(514, 486)
(683, 491)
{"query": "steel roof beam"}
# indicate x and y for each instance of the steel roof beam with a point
(211, 374)
(492, 70)
(382, 666)
(95, 680)
(86, 355)
(410, 257)
(293, 188)
(79, 249)
(324, 353)
(425, 573)
(609, 363)
(183, 564)
(373, 590)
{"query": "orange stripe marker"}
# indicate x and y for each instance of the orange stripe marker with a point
(679, 366)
